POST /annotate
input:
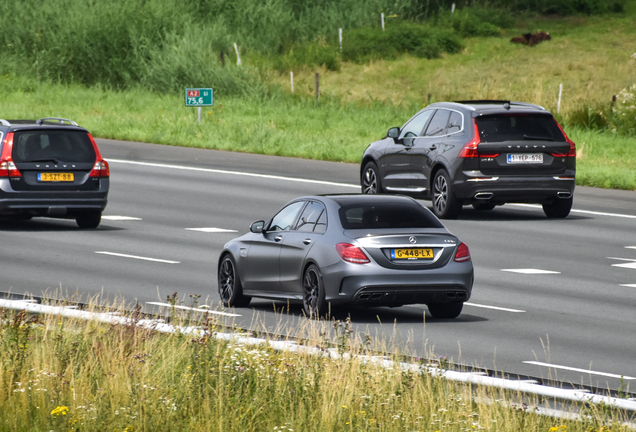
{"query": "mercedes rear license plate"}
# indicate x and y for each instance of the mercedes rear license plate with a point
(411, 253)
(526, 158)
(56, 177)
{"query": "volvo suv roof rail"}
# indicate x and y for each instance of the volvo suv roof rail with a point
(56, 119)
(4, 122)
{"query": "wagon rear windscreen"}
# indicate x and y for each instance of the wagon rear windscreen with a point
(53, 145)
(498, 128)
(378, 216)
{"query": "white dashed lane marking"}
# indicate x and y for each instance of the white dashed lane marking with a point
(628, 285)
(212, 230)
(591, 372)
(137, 257)
(121, 218)
(530, 271)
(494, 307)
(202, 310)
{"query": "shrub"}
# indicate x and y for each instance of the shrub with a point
(366, 44)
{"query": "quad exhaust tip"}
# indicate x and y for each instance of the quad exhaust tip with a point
(483, 195)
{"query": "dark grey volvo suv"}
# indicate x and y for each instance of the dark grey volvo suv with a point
(484, 153)
(51, 167)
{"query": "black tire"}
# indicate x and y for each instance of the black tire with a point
(445, 310)
(559, 208)
(483, 206)
(230, 288)
(370, 179)
(314, 303)
(445, 205)
(89, 220)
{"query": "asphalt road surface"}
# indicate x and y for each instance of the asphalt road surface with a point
(552, 298)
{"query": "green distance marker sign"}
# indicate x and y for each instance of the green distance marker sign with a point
(197, 97)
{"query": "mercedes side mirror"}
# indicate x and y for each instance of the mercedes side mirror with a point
(257, 227)
(394, 132)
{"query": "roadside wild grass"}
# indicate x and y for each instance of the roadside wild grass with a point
(64, 374)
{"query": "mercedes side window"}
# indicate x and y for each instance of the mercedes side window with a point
(415, 126)
(437, 126)
(455, 123)
(286, 217)
(321, 225)
(310, 216)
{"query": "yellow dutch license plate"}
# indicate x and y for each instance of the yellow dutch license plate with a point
(56, 177)
(412, 253)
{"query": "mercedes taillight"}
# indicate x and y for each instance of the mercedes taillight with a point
(462, 254)
(352, 254)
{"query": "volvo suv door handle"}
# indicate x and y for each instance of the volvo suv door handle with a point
(307, 241)
(278, 238)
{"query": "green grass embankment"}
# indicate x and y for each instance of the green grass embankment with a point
(60, 374)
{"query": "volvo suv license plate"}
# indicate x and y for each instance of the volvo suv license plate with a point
(525, 158)
(411, 253)
(56, 177)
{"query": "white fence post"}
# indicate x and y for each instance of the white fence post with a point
(291, 79)
(559, 101)
(382, 16)
(238, 57)
(340, 37)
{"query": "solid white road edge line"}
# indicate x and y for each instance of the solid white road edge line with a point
(466, 377)
(587, 371)
(218, 171)
(137, 257)
(202, 310)
(212, 230)
(530, 271)
(494, 307)
(537, 206)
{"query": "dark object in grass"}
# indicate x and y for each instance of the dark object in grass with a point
(531, 39)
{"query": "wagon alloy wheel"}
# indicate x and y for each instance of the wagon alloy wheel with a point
(370, 179)
(230, 289)
(314, 302)
(445, 205)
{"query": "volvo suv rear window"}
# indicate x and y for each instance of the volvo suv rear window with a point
(364, 216)
(498, 128)
(52, 145)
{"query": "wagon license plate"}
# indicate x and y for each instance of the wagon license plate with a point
(56, 177)
(527, 158)
(411, 253)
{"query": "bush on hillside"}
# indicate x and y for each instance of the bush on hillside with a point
(622, 116)
(316, 53)
(364, 44)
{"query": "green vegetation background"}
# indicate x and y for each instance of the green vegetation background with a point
(119, 68)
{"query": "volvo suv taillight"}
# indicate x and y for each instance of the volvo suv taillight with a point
(470, 149)
(462, 254)
(352, 254)
(7, 167)
(572, 151)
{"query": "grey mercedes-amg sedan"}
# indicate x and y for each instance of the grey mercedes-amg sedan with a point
(367, 250)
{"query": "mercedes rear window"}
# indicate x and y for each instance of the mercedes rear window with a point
(498, 128)
(53, 146)
(389, 215)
